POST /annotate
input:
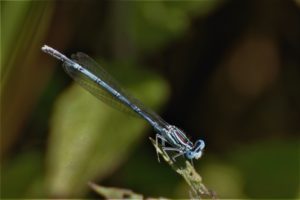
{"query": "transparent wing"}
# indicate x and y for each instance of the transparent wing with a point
(100, 92)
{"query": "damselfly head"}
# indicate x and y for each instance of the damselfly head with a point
(197, 150)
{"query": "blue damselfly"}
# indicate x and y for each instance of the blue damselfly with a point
(91, 76)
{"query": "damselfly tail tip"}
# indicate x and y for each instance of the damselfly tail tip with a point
(54, 53)
(45, 48)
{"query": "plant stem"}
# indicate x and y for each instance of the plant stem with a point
(189, 174)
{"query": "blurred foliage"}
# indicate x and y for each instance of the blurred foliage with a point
(256, 170)
(23, 27)
(231, 76)
(17, 175)
(151, 31)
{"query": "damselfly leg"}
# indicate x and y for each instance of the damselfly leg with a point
(180, 152)
(163, 143)
(166, 149)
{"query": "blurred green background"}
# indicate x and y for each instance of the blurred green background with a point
(224, 71)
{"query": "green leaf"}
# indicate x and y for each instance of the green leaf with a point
(115, 193)
(90, 140)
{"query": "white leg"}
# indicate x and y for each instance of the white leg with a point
(163, 142)
(162, 139)
(173, 149)
(177, 155)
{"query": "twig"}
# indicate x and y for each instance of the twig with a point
(188, 172)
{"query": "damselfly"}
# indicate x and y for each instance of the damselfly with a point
(91, 76)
